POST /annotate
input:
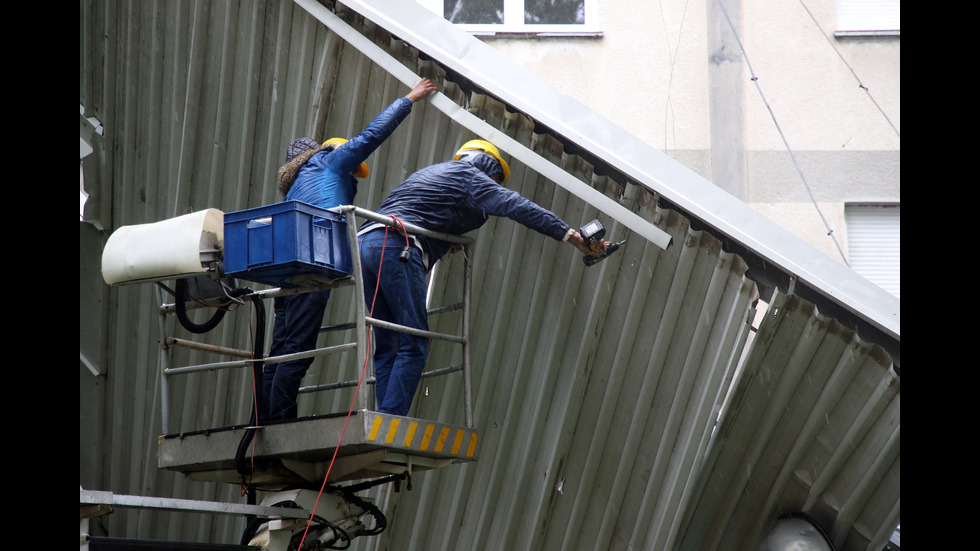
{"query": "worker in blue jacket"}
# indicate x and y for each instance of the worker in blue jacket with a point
(453, 197)
(324, 176)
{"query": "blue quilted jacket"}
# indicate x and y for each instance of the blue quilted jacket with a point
(325, 180)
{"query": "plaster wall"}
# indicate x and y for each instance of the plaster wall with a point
(817, 128)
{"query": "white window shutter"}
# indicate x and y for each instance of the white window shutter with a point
(874, 244)
(860, 16)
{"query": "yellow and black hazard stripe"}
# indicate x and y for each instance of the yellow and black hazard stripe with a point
(422, 436)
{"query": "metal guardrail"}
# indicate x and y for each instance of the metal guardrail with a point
(360, 325)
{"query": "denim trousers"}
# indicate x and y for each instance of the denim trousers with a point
(295, 329)
(395, 292)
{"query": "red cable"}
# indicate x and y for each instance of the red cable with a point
(359, 381)
(400, 223)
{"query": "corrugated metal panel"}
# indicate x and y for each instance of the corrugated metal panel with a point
(596, 390)
(198, 101)
(583, 400)
(813, 426)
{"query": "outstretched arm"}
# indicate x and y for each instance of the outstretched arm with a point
(421, 90)
(361, 146)
(497, 200)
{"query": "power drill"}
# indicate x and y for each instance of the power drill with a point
(592, 234)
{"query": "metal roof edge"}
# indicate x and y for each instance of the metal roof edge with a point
(641, 163)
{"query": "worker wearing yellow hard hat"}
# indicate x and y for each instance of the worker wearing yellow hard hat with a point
(362, 169)
(325, 176)
(450, 198)
(488, 148)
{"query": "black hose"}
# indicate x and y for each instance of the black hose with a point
(380, 521)
(241, 463)
(343, 539)
(340, 535)
(180, 307)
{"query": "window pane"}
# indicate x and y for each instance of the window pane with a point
(474, 11)
(554, 12)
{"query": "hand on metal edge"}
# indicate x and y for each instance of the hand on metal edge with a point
(421, 90)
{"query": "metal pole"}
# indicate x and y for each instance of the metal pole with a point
(204, 347)
(362, 328)
(271, 359)
(164, 366)
(371, 381)
(93, 497)
(412, 228)
(467, 381)
(412, 331)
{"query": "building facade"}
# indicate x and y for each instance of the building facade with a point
(794, 108)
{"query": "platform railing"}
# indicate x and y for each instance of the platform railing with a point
(360, 325)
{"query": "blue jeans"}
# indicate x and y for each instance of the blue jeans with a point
(399, 358)
(295, 329)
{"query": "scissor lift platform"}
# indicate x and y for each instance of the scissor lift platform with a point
(304, 451)
(299, 452)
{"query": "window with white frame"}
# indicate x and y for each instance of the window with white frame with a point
(874, 243)
(868, 17)
(519, 16)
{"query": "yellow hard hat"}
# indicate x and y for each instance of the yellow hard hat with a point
(362, 169)
(489, 149)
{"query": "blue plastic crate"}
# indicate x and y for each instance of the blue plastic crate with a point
(277, 243)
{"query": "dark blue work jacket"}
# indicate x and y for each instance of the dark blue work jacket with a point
(456, 197)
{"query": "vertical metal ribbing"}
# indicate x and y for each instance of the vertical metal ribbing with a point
(467, 285)
(164, 365)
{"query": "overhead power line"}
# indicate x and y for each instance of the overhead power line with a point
(755, 79)
(851, 69)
